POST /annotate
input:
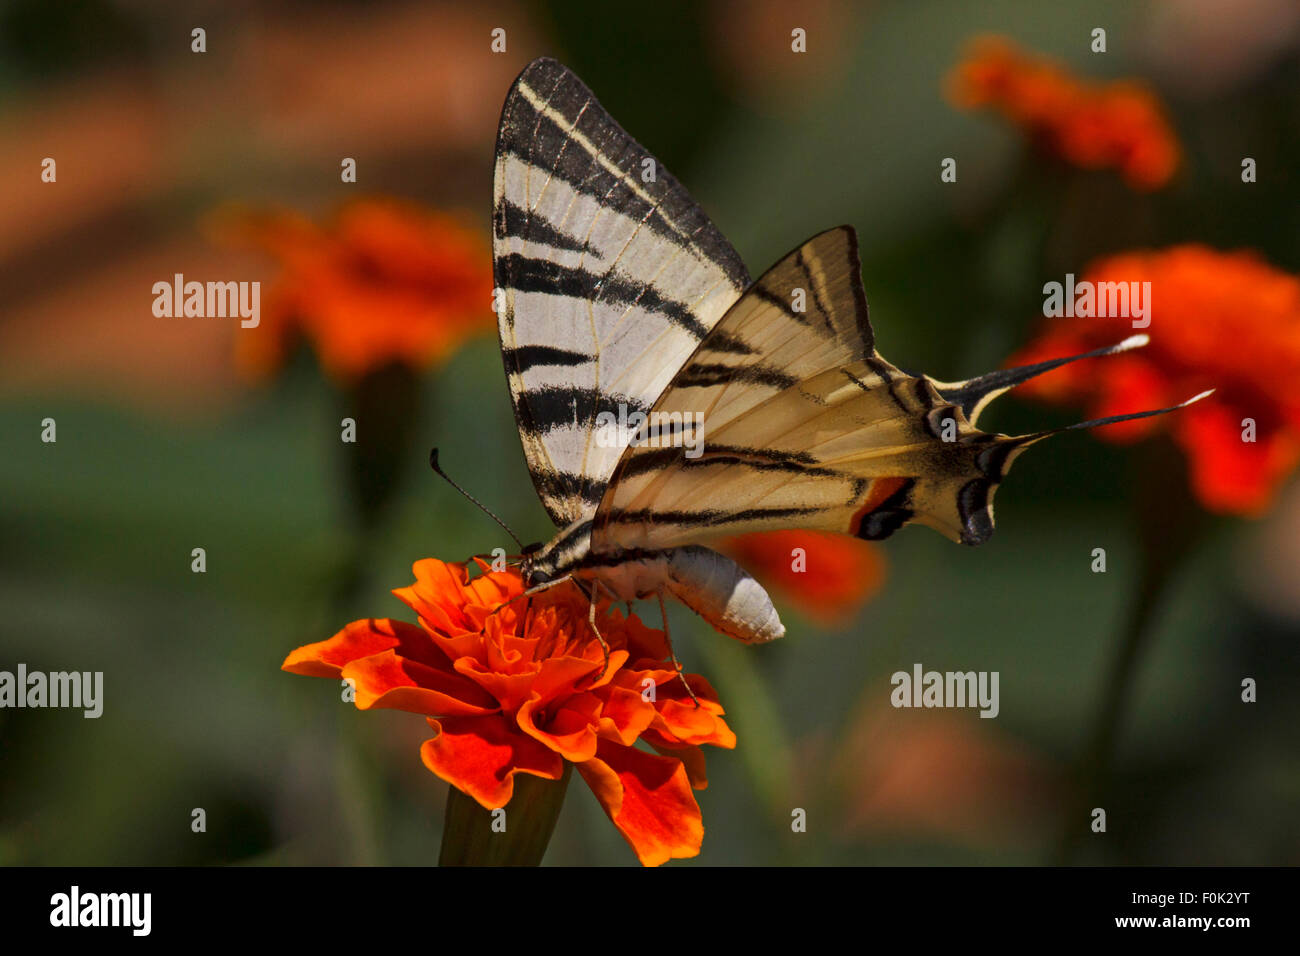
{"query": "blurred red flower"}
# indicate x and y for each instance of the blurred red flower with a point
(1119, 125)
(1222, 320)
(383, 281)
(827, 576)
(508, 695)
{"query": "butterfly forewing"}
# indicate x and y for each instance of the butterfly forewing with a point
(610, 275)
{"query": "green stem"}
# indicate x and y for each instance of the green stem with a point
(472, 836)
(385, 406)
(1092, 774)
(358, 795)
(1168, 524)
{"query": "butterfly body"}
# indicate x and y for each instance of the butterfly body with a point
(621, 302)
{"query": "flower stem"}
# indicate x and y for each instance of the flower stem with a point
(1092, 773)
(472, 836)
(1168, 525)
(385, 405)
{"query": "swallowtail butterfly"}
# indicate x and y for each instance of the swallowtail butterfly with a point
(664, 398)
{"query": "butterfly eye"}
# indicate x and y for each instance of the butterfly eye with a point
(536, 577)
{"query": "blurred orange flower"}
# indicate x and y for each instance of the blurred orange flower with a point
(926, 774)
(1222, 320)
(1118, 125)
(506, 695)
(827, 576)
(382, 282)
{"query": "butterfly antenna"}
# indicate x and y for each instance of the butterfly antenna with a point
(974, 394)
(1026, 440)
(1113, 419)
(433, 463)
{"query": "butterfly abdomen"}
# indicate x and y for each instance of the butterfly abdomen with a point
(710, 584)
(721, 592)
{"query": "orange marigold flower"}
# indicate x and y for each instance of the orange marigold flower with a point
(1222, 320)
(382, 282)
(1118, 125)
(506, 695)
(828, 576)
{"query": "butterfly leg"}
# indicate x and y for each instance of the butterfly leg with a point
(592, 597)
(681, 676)
(547, 586)
(529, 594)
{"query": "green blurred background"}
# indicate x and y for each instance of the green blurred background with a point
(162, 448)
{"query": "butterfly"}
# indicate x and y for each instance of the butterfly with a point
(665, 399)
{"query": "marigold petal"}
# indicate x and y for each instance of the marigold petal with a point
(561, 673)
(389, 681)
(449, 607)
(626, 713)
(692, 758)
(495, 587)
(481, 755)
(438, 584)
(362, 639)
(649, 799)
(448, 585)
(569, 731)
(510, 690)
(681, 719)
(643, 643)
(689, 724)
(458, 645)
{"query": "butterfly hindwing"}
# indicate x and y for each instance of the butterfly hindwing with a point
(611, 276)
(809, 428)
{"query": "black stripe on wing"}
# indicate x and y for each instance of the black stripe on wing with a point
(514, 222)
(703, 375)
(760, 459)
(525, 357)
(555, 406)
(775, 299)
(524, 274)
(704, 518)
